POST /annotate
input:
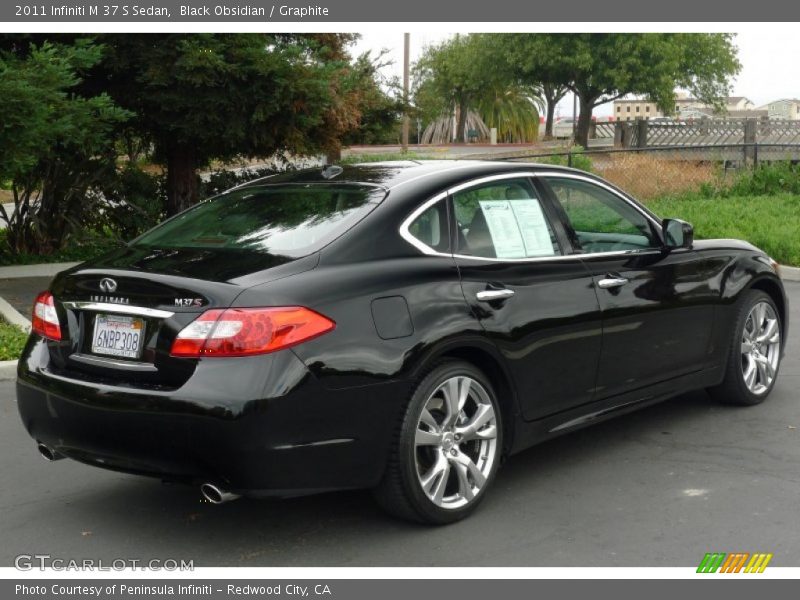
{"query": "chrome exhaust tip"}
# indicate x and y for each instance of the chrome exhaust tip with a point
(216, 495)
(48, 453)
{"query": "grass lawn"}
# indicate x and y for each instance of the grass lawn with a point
(385, 156)
(12, 339)
(770, 222)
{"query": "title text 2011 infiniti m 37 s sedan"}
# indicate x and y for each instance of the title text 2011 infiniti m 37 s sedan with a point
(397, 326)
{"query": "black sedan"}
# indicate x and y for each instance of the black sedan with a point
(397, 326)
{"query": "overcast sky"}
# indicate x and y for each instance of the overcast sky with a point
(769, 70)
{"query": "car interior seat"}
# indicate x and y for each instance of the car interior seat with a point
(479, 240)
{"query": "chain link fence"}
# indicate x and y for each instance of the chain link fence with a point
(668, 170)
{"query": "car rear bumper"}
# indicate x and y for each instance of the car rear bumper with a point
(259, 426)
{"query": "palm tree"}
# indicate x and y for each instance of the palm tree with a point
(514, 110)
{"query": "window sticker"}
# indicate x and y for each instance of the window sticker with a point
(517, 227)
(503, 228)
(533, 226)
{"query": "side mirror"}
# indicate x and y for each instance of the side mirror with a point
(677, 233)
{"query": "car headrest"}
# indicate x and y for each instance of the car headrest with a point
(479, 240)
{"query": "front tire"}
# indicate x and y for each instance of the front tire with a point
(446, 449)
(755, 352)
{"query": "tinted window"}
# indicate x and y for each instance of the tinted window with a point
(602, 221)
(290, 220)
(503, 219)
(430, 227)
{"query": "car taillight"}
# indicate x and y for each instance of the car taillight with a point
(45, 319)
(248, 331)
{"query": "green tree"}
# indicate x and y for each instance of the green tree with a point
(601, 67)
(453, 75)
(55, 145)
(221, 96)
(378, 99)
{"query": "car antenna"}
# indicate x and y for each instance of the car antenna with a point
(331, 171)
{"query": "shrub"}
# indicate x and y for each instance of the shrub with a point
(135, 203)
(12, 340)
(579, 160)
(767, 179)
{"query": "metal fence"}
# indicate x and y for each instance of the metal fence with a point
(701, 132)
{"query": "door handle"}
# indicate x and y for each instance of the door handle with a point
(609, 282)
(493, 295)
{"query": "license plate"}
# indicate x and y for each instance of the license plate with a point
(117, 335)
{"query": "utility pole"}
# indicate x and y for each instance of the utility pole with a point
(406, 118)
(574, 116)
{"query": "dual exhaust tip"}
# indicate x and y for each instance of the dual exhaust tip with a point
(210, 491)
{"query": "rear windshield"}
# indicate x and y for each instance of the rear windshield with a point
(289, 220)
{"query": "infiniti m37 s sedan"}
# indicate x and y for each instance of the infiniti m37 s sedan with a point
(397, 326)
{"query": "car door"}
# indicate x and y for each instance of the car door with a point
(536, 303)
(657, 304)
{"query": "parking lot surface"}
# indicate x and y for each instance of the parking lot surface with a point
(660, 487)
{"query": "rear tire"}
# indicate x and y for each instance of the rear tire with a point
(755, 352)
(446, 448)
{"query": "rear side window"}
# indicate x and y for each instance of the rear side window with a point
(289, 220)
(431, 227)
(503, 219)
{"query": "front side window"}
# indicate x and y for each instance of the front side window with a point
(502, 219)
(601, 220)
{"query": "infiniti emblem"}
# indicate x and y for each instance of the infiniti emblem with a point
(108, 285)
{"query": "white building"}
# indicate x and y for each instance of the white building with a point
(785, 108)
(731, 104)
(631, 109)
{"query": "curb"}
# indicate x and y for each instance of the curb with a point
(790, 273)
(8, 370)
(44, 270)
(13, 316)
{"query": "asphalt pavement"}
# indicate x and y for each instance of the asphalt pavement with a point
(660, 487)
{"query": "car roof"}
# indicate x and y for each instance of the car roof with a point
(391, 174)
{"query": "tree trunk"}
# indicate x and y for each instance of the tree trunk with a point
(584, 121)
(181, 178)
(333, 155)
(552, 95)
(551, 114)
(461, 133)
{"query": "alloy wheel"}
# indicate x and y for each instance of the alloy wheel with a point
(456, 442)
(761, 347)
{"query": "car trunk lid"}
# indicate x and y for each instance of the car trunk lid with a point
(121, 313)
